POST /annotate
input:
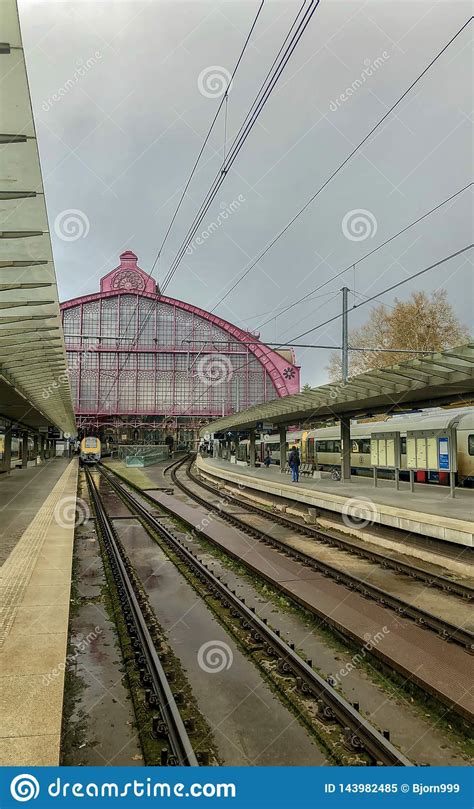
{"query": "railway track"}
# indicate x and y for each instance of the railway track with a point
(359, 735)
(464, 591)
(159, 693)
(439, 625)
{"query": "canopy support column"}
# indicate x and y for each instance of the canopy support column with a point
(24, 449)
(7, 450)
(252, 452)
(345, 448)
(282, 432)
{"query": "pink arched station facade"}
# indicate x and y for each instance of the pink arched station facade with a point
(141, 362)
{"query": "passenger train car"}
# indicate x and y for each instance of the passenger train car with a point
(90, 450)
(271, 442)
(321, 447)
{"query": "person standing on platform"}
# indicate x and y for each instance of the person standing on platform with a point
(268, 458)
(294, 464)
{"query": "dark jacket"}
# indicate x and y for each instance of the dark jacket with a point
(294, 459)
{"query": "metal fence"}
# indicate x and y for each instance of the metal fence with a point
(142, 454)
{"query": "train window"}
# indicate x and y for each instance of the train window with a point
(337, 446)
(364, 446)
(470, 444)
(403, 446)
(90, 443)
(321, 446)
(355, 446)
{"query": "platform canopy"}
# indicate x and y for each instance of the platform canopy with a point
(434, 379)
(34, 382)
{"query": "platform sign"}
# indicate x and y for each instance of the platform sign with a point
(443, 454)
(264, 425)
(431, 450)
(385, 450)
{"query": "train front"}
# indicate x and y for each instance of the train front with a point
(90, 450)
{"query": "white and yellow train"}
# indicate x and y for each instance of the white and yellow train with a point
(90, 450)
(321, 447)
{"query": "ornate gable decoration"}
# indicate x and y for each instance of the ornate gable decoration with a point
(128, 279)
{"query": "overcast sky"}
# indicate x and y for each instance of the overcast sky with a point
(123, 99)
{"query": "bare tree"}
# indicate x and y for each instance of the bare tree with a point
(423, 322)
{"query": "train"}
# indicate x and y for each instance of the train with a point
(15, 459)
(321, 447)
(90, 450)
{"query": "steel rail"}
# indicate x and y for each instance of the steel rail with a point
(332, 706)
(182, 750)
(431, 579)
(443, 628)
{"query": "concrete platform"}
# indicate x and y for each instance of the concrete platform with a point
(35, 583)
(429, 511)
(22, 494)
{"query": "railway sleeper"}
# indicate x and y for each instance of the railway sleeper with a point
(352, 741)
(325, 712)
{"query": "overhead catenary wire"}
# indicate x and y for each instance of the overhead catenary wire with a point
(193, 170)
(244, 131)
(386, 114)
(305, 20)
(371, 252)
(384, 291)
(222, 102)
(341, 166)
(336, 317)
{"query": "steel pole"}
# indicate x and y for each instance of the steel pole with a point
(345, 336)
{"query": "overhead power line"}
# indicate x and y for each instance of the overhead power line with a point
(336, 317)
(370, 253)
(341, 166)
(150, 274)
(204, 144)
(286, 50)
(384, 291)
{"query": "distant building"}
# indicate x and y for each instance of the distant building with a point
(147, 367)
